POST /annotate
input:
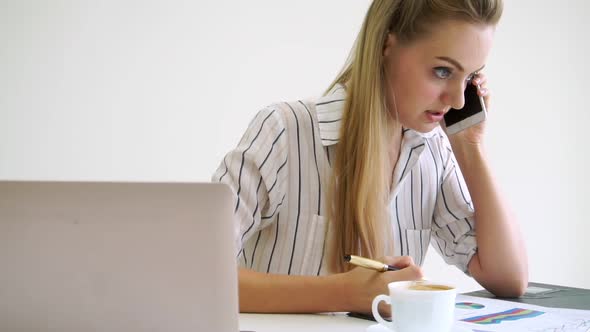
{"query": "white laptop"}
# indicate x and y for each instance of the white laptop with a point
(78, 256)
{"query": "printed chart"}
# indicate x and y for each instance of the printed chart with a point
(469, 305)
(489, 315)
(508, 315)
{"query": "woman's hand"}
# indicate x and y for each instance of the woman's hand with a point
(349, 291)
(362, 285)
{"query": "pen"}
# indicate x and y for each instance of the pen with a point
(369, 263)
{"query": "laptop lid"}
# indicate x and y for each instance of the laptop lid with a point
(84, 256)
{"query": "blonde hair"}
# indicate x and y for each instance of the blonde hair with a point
(359, 188)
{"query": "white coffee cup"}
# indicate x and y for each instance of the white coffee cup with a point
(422, 306)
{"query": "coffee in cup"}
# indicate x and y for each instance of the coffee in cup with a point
(428, 287)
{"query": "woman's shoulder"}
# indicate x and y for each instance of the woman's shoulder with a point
(295, 107)
(286, 114)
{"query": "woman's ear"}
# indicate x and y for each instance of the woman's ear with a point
(390, 44)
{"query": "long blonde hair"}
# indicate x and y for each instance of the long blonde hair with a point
(359, 188)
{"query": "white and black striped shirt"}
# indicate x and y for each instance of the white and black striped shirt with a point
(279, 172)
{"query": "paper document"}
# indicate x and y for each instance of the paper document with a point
(479, 314)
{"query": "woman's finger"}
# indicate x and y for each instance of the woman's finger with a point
(400, 261)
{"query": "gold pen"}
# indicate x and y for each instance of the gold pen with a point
(369, 263)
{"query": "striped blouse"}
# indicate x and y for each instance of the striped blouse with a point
(279, 173)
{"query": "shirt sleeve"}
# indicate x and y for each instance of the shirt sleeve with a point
(256, 173)
(453, 220)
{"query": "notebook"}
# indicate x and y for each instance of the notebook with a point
(88, 256)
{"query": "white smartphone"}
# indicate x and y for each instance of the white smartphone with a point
(472, 113)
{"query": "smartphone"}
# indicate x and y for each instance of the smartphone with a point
(473, 112)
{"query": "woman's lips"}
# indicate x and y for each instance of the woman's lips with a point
(434, 116)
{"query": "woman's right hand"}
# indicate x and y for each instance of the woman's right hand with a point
(362, 285)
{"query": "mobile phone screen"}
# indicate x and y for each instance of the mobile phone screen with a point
(472, 106)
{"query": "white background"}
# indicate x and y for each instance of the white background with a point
(161, 90)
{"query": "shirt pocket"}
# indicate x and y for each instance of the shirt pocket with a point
(314, 246)
(418, 241)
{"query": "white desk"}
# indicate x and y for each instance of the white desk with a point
(302, 323)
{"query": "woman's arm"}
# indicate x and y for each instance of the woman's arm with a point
(274, 293)
(500, 264)
(349, 291)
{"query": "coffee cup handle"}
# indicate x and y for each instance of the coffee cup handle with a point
(375, 310)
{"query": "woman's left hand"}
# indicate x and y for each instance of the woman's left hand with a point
(474, 134)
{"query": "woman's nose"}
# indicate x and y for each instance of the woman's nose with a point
(455, 96)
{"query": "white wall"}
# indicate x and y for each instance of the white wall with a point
(160, 90)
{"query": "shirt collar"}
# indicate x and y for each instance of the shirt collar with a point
(329, 110)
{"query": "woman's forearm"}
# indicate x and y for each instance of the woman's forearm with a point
(273, 293)
(500, 264)
(349, 291)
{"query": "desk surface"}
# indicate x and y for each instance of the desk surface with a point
(302, 323)
(555, 296)
(564, 297)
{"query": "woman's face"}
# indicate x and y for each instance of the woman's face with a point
(426, 77)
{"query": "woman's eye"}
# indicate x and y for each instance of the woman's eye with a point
(442, 72)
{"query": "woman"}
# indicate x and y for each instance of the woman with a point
(367, 170)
